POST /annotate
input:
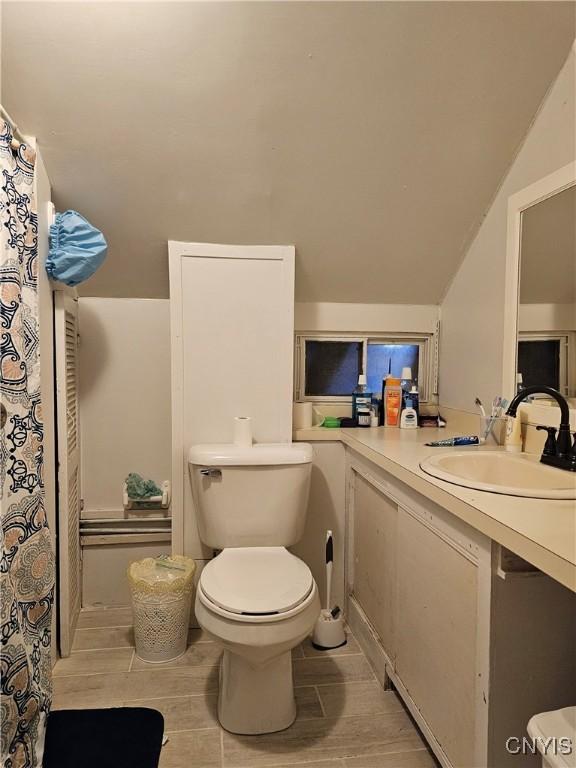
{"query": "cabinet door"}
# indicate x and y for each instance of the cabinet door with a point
(69, 501)
(375, 558)
(436, 634)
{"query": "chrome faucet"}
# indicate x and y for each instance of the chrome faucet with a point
(558, 451)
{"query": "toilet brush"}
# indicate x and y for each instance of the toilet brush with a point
(329, 630)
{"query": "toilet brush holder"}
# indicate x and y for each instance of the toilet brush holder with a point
(329, 631)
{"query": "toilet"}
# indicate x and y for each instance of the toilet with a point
(554, 734)
(255, 598)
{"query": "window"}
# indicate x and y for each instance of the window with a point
(384, 358)
(542, 359)
(332, 367)
(327, 366)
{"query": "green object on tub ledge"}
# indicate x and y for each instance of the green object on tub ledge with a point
(138, 488)
(331, 422)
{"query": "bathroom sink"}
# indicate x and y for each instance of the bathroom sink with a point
(500, 472)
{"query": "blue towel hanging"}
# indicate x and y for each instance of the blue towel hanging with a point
(77, 249)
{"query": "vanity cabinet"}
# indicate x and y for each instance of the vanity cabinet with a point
(414, 577)
(436, 607)
(474, 639)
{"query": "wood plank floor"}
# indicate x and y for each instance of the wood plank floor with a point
(345, 719)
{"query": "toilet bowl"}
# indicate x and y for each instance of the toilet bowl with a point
(258, 603)
(255, 598)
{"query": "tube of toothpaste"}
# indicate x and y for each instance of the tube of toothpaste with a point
(450, 441)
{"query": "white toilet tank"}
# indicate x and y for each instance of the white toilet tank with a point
(250, 497)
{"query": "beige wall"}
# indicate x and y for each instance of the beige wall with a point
(104, 567)
(547, 317)
(326, 511)
(124, 395)
(472, 313)
(397, 318)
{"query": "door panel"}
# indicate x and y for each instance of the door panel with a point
(436, 634)
(68, 429)
(375, 519)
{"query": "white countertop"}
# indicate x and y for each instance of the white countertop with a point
(541, 531)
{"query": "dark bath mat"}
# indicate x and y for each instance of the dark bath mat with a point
(130, 737)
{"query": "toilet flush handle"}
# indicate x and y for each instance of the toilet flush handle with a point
(211, 472)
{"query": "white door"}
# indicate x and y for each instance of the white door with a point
(232, 329)
(68, 431)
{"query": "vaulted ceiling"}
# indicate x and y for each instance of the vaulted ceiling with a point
(372, 135)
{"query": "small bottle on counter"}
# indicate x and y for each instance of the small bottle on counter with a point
(361, 400)
(363, 415)
(414, 396)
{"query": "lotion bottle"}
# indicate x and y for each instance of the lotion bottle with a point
(409, 418)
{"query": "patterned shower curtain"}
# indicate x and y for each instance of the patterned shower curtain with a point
(26, 556)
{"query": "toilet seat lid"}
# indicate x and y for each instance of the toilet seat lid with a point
(256, 580)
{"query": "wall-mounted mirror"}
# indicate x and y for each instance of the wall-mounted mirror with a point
(546, 335)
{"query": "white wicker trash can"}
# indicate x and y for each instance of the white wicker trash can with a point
(161, 598)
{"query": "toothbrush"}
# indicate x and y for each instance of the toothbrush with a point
(478, 402)
(498, 406)
(493, 414)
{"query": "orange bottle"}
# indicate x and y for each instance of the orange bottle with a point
(392, 402)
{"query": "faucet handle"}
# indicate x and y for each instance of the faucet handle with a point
(550, 444)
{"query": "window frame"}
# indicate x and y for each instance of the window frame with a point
(428, 356)
(567, 340)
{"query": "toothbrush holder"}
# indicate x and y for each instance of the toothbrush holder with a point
(494, 427)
